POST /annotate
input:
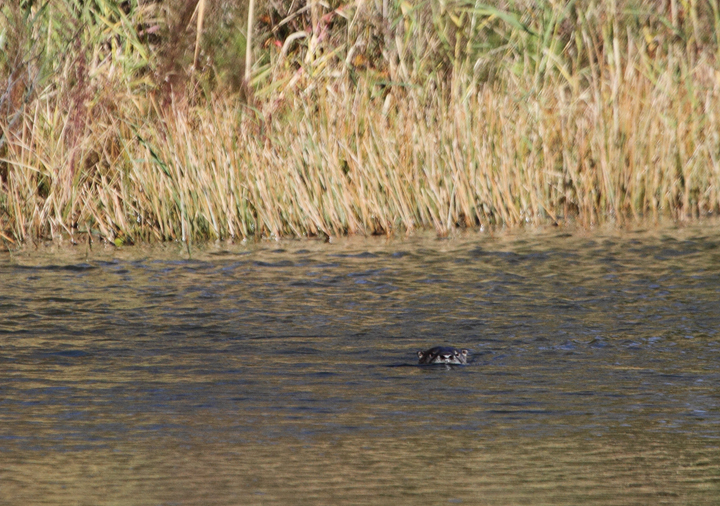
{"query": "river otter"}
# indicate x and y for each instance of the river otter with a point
(443, 355)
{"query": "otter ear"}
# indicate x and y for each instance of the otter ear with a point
(464, 352)
(420, 354)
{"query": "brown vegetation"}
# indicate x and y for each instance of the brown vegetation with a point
(357, 118)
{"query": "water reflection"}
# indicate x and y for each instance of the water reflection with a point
(262, 374)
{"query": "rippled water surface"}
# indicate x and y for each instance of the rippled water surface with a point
(285, 373)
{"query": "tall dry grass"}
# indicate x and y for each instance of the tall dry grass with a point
(377, 120)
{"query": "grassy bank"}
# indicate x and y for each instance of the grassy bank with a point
(383, 118)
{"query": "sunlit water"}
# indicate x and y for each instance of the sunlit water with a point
(285, 373)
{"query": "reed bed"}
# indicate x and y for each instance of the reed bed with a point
(475, 116)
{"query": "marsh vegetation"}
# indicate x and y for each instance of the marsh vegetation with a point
(147, 120)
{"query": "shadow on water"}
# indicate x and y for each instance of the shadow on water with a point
(265, 375)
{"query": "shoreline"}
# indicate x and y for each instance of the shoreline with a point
(64, 245)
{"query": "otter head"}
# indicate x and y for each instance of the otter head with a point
(443, 355)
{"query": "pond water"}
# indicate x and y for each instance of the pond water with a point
(286, 372)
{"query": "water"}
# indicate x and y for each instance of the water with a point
(285, 373)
